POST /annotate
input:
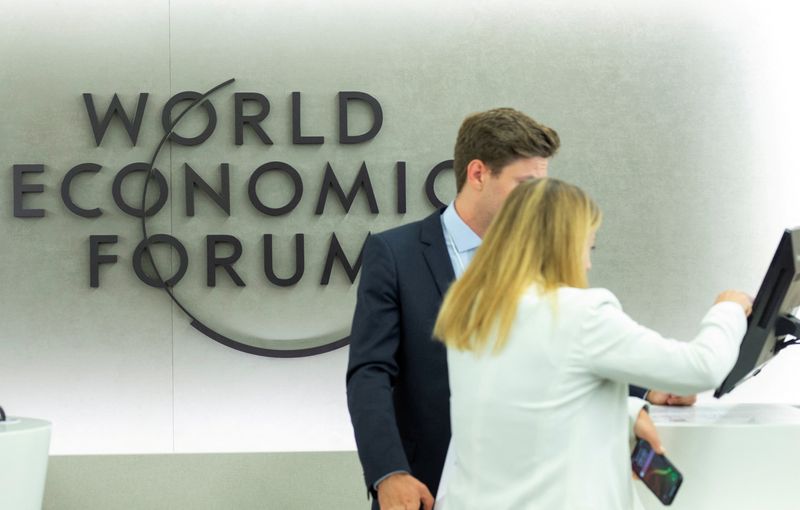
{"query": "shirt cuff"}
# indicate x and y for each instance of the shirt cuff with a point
(387, 475)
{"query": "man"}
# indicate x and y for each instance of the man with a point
(397, 386)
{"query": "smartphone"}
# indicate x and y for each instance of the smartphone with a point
(656, 471)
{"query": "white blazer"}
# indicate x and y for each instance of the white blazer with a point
(544, 423)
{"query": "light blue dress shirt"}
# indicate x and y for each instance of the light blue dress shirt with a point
(462, 242)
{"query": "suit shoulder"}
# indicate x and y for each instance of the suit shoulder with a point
(409, 232)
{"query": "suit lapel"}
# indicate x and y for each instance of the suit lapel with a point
(435, 251)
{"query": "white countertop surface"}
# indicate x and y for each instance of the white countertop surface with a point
(719, 414)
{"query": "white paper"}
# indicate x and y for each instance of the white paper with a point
(726, 414)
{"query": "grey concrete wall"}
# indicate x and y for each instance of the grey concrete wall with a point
(678, 118)
(285, 481)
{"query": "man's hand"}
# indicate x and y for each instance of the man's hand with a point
(660, 398)
(644, 428)
(402, 491)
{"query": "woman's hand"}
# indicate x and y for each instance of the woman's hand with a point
(737, 297)
(644, 428)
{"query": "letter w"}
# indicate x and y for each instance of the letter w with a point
(115, 109)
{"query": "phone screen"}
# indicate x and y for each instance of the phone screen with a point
(656, 471)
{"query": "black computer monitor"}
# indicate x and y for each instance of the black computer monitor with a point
(771, 327)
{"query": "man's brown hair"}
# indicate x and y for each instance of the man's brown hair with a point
(498, 137)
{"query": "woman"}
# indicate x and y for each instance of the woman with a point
(539, 365)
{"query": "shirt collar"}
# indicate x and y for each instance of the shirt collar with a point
(463, 237)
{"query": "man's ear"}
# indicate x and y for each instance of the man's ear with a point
(477, 174)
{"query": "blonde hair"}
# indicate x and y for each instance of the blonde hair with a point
(538, 237)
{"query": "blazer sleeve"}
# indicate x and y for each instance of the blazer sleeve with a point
(616, 347)
(372, 367)
(636, 391)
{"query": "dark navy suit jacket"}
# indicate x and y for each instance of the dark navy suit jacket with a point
(397, 387)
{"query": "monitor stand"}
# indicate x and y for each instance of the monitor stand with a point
(786, 326)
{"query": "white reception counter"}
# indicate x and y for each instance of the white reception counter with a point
(733, 457)
(24, 447)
